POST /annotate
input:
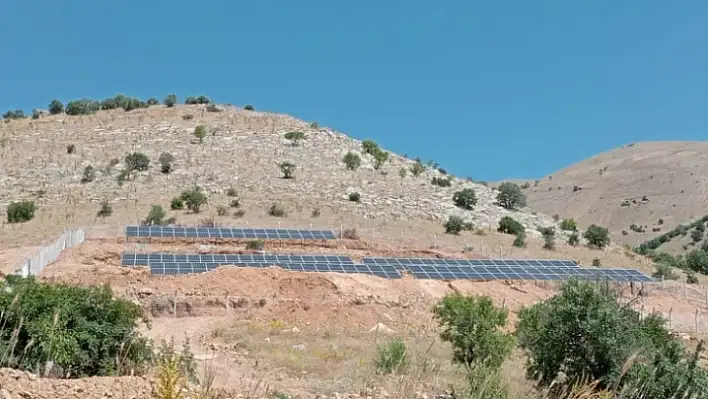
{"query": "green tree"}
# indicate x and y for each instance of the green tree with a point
(156, 216)
(352, 161)
(295, 137)
(472, 325)
(21, 211)
(574, 238)
(568, 225)
(369, 147)
(697, 260)
(465, 198)
(417, 168)
(455, 225)
(194, 199)
(152, 101)
(509, 225)
(56, 107)
(520, 240)
(510, 196)
(288, 169)
(597, 236)
(549, 237)
(380, 158)
(137, 161)
(170, 101)
(200, 133)
(166, 159)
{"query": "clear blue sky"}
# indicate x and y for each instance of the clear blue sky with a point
(489, 89)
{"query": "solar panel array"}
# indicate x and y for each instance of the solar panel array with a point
(227, 232)
(421, 268)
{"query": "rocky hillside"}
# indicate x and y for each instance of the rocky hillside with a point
(638, 192)
(60, 161)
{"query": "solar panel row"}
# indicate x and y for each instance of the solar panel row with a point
(173, 268)
(441, 272)
(227, 232)
(471, 262)
(133, 259)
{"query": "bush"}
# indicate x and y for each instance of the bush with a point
(288, 169)
(392, 358)
(665, 272)
(613, 336)
(549, 236)
(105, 210)
(597, 236)
(417, 168)
(697, 260)
(156, 216)
(82, 107)
(316, 213)
(249, 107)
(89, 174)
(213, 108)
(568, 225)
(222, 210)
(194, 199)
(84, 330)
(295, 137)
(239, 213)
(255, 245)
(152, 101)
(441, 181)
(472, 325)
(691, 278)
(166, 160)
(277, 210)
(137, 161)
(574, 238)
(16, 114)
(596, 262)
(231, 192)
(56, 107)
(36, 114)
(200, 133)
(21, 211)
(520, 240)
(380, 158)
(510, 196)
(508, 225)
(355, 197)
(235, 203)
(197, 100)
(176, 204)
(369, 146)
(70, 149)
(352, 161)
(402, 172)
(455, 225)
(465, 199)
(170, 101)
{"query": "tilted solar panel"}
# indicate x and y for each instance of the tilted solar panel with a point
(443, 272)
(227, 232)
(174, 268)
(470, 262)
(135, 259)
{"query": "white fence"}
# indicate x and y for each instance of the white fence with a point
(48, 254)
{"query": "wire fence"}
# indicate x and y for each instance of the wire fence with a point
(33, 265)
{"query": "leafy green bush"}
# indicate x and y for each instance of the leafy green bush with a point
(352, 161)
(441, 181)
(249, 107)
(21, 211)
(510, 196)
(355, 197)
(16, 114)
(105, 210)
(194, 198)
(156, 216)
(465, 198)
(295, 137)
(197, 100)
(417, 168)
(597, 236)
(664, 272)
(277, 210)
(549, 235)
(456, 224)
(520, 240)
(56, 107)
(508, 225)
(152, 101)
(255, 245)
(83, 330)
(369, 147)
(392, 358)
(288, 169)
(585, 333)
(137, 161)
(568, 225)
(200, 133)
(380, 158)
(170, 101)
(82, 107)
(697, 260)
(472, 325)
(166, 159)
(176, 204)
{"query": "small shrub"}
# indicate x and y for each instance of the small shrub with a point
(231, 192)
(221, 210)
(520, 240)
(36, 114)
(170, 101)
(70, 149)
(392, 358)
(187, 117)
(105, 210)
(295, 137)
(21, 211)
(441, 181)
(402, 172)
(510, 196)
(89, 174)
(417, 168)
(17, 114)
(277, 210)
(200, 133)
(352, 161)
(568, 225)
(197, 100)
(152, 101)
(249, 107)
(288, 169)
(137, 161)
(574, 238)
(235, 203)
(122, 176)
(213, 108)
(465, 199)
(156, 216)
(549, 235)
(194, 199)
(82, 107)
(350, 234)
(691, 278)
(380, 158)
(556, 217)
(56, 107)
(508, 225)
(355, 197)
(255, 245)
(597, 236)
(596, 262)
(456, 224)
(665, 272)
(166, 159)
(239, 213)
(314, 125)
(316, 213)
(369, 146)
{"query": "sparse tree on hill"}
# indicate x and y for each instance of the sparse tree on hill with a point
(568, 225)
(465, 199)
(352, 161)
(597, 236)
(89, 174)
(105, 210)
(200, 133)
(166, 159)
(574, 238)
(549, 236)
(156, 216)
(56, 107)
(509, 225)
(288, 169)
(380, 158)
(295, 137)
(137, 161)
(21, 211)
(520, 240)
(152, 101)
(170, 101)
(249, 107)
(194, 199)
(510, 196)
(369, 146)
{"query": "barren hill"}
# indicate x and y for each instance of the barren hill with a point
(651, 185)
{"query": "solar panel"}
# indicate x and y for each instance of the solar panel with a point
(173, 268)
(134, 259)
(227, 232)
(445, 272)
(402, 262)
